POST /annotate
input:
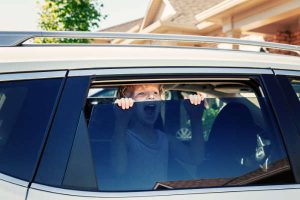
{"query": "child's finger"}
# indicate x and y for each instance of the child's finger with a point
(122, 104)
(126, 103)
(118, 101)
(203, 95)
(191, 99)
(195, 100)
(131, 102)
(199, 99)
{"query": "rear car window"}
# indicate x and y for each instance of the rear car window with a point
(166, 142)
(25, 113)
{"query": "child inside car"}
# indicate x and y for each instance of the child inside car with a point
(140, 152)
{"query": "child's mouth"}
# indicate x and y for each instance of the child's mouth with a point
(150, 109)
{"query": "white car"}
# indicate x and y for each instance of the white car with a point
(63, 136)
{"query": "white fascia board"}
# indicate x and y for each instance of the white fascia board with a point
(221, 7)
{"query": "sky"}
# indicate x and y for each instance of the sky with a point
(22, 15)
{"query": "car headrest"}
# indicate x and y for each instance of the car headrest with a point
(233, 131)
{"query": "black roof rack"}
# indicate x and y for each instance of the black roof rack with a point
(17, 38)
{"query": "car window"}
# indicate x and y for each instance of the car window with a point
(107, 92)
(167, 142)
(25, 113)
(296, 86)
(235, 150)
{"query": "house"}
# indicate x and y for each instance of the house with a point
(274, 20)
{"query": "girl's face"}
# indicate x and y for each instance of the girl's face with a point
(148, 111)
(149, 92)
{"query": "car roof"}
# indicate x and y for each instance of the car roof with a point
(40, 58)
(29, 58)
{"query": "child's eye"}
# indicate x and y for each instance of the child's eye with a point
(141, 93)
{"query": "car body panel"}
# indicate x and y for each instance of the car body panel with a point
(12, 188)
(279, 192)
(63, 58)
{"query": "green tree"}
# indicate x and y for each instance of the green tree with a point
(208, 119)
(69, 15)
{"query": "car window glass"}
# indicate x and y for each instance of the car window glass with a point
(229, 139)
(108, 92)
(235, 151)
(296, 87)
(25, 111)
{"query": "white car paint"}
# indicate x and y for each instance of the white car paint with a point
(290, 192)
(11, 191)
(37, 58)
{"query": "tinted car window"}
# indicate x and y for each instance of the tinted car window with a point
(68, 136)
(236, 150)
(296, 87)
(111, 92)
(25, 113)
(227, 140)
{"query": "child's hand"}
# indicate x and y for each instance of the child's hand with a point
(195, 107)
(122, 112)
(196, 99)
(125, 103)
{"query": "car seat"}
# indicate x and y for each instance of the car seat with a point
(232, 139)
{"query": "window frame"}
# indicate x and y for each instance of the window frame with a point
(278, 85)
(144, 73)
(288, 115)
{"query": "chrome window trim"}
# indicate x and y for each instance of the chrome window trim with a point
(61, 191)
(32, 75)
(287, 72)
(13, 180)
(168, 70)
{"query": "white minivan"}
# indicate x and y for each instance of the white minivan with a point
(64, 137)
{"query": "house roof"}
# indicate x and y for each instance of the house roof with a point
(185, 14)
(123, 27)
(187, 10)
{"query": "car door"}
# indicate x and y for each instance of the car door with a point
(27, 104)
(70, 168)
(11, 188)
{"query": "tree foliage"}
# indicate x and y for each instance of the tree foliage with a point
(69, 15)
(208, 119)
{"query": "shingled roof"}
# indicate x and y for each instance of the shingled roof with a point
(187, 9)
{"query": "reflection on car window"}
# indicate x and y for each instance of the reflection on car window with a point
(221, 142)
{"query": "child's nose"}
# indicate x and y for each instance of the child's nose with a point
(150, 96)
